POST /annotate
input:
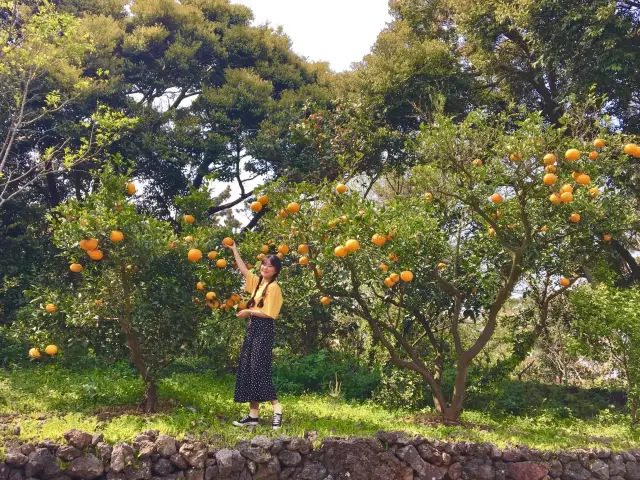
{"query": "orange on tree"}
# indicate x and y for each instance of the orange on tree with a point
(583, 179)
(477, 162)
(200, 286)
(75, 267)
(341, 188)
(393, 257)
(318, 272)
(549, 179)
(555, 198)
(566, 197)
(442, 265)
(550, 169)
(264, 249)
(280, 255)
(194, 255)
(631, 149)
(593, 155)
(89, 244)
(221, 263)
(235, 297)
(212, 255)
(388, 282)
(340, 251)
(594, 192)
(283, 213)
(544, 228)
(394, 277)
(598, 143)
(242, 305)
(303, 260)
(566, 188)
(256, 206)
(383, 267)
(51, 308)
(283, 249)
(550, 159)
(227, 241)
(428, 196)
(260, 256)
(131, 188)
(572, 154)
(189, 218)
(515, 157)
(496, 198)
(343, 218)
(51, 350)
(378, 240)
(34, 353)
(229, 302)
(565, 282)
(116, 236)
(95, 254)
(293, 207)
(406, 276)
(263, 199)
(606, 237)
(352, 245)
(188, 238)
(325, 300)
(574, 217)
(171, 244)
(492, 232)
(303, 249)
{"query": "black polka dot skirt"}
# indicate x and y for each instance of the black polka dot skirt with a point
(253, 378)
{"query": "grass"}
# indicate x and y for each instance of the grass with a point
(45, 401)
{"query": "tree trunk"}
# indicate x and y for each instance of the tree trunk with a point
(150, 397)
(52, 189)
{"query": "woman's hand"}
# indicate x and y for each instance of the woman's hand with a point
(244, 313)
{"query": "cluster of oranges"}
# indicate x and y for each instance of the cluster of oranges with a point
(90, 245)
(49, 350)
(212, 301)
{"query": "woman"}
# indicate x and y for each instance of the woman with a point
(253, 381)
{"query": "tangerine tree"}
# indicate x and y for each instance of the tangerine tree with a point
(430, 270)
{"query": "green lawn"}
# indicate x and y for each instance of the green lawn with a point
(48, 400)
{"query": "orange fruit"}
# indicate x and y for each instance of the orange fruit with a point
(598, 143)
(393, 257)
(477, 162)
(283, 249)
(34, 353)
(498, 214)
(260, 256)
(116, 236)
(428, 196)
(51, 308)
(550, 159)
(171, 244)
(388, 282)
(383, 267)
(75, 267)
(188, 238)
(221, 263)
(263, 199)
(566, 197)
(515, 157)
(229, 302)
(131, 188)
(549, 179)
(497, 198)
(90, 244)
(574, 217)
(95, 255)
(227, 241)
(565, 282)
(352, 245)
(630, 149)
(606, 237)
(303, 249)
(325, 301)
(343, 218)
(118, 206)
(442, 265)
(394, 277)
(293, 207)
(242, 305)
(378, 240)
(593, 155)
(283, 213)
(51, 350)
(492, 232)
(550, 169)
(200, 286)
(303, 260)
(99, 302)
(189, 218)
(256, 206)
(572, 154)
(406, 276)
(332, 224)
(280, 255)
(566, 188)
(575, 175)
(544, 228)
(583, 179)
(474, 290)
(340, 251)
(341, 188)
(194, 255)
(212, 255)
(594, 192)
(215, 304)
(264, 249)
(318, 272)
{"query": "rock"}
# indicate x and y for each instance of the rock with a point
(616, 466)
(211, 473)
(494, 452)
(78, 438)
(229, 462)
(511, 455)
(179, 461)
(166, 446)
(301, 445)
(162, 467)
(68, 452)
(555, 468)
(16, 430)
(87, 467)
(4, 471)
(16, 475)
(139, 470)
(600, 470)
(194, 453)
(363, 459)
(270, 470)
(256, 454)
(632, 471)
(289, 458)
(252, 467)
(628, 457)
(27, 449)
(262, 441)
(410, 455)
(388, 438)
(312, 471)
(121, 456)
(103, 451)
(194, 474)
(527, 470)
(445, 459)
(278, 446)
(42, 463)
(427, 452)
(97, 438)
(49, 445)
(501, 469)
(455, 471)
(15, 459)
(603, 453)
(311, 435)
(151, 434)
(574, 471)
(476, 469)
(145, 448)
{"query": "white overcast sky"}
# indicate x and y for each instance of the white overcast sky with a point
(336, 31)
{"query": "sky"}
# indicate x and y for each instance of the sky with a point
(336, 31)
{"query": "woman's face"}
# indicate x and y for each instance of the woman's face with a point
(267, 270)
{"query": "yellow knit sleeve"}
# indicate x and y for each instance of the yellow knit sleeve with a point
(251, 282)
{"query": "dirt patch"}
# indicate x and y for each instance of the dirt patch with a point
(433, 420)
(109, 413)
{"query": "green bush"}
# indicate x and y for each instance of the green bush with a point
(316, 372)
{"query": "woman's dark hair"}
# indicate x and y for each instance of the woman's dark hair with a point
(275, 262)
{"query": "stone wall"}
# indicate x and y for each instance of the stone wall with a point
(389, 456)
